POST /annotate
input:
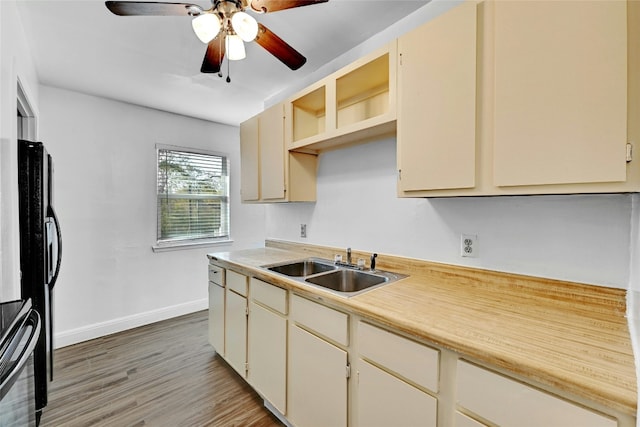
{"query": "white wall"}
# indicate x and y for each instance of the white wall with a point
(105, 177)
(578, 238)
(15, 63)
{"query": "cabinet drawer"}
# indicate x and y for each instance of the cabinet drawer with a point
(237, 282)
(269, 295)
(216, 274)
(413, 361)
(507, 402)
(323, 320)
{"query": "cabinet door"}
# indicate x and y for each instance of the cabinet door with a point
(216, 317)
(236, 332)
(384, 400)
(506, 402)
(437, 103)
(317, 381)
(560, 92)
(272, 153)
(267, 354)
(249, 160)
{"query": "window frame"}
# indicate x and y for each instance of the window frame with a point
(168, 245)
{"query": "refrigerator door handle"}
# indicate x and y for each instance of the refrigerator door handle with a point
(52, 213)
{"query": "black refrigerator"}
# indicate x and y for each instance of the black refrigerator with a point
(40, 253)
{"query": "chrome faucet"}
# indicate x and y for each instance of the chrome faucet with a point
(373, 261)
(348, 255)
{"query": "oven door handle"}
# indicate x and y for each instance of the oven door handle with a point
(33, 318)
(52, 213)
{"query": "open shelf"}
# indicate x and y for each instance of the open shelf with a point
(363, 93)
(353, 105)
(309, 112)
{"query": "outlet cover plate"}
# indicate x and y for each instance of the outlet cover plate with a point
(469, 245)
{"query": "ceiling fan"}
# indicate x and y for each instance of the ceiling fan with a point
(224, 27)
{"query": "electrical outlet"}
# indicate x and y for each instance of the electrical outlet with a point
(303, 230)
(469, 245)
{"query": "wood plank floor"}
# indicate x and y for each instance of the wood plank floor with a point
(164, 374)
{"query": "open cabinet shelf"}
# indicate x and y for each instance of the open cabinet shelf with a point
(309, 113)
(363, 93)
(350, 106)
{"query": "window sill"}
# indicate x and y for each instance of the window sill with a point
(192, 245)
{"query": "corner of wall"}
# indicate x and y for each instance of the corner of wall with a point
(633, 289)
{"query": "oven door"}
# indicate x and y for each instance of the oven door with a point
(17, 383)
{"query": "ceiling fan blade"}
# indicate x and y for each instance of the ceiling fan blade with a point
(133, 8)
(214, 55)
(279, 48)
(276, 5)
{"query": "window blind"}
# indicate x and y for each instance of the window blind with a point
(193, 196)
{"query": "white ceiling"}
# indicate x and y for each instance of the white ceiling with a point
(155, 61)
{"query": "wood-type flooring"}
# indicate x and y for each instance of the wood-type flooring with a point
(163, 374)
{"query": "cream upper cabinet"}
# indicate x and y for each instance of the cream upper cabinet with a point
(272, 155)
(355, 104)
(249, 160)
(269, 172)
(436, 126)
(560, 92)
(553, 110)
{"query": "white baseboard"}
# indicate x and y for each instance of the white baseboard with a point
(85, 333)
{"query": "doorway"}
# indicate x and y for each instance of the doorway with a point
(26, 118)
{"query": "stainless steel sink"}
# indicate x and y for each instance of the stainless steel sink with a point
(345, 280)
(339, 279)
(303, 268)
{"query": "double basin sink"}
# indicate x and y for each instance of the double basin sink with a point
(343, 280)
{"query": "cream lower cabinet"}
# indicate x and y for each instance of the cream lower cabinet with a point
(267, 343)
(236, 321)
(395, 377)
(317, 393)
(503, 401)
(385, 400)
(216, 317)
(322, 367)
(216, 308)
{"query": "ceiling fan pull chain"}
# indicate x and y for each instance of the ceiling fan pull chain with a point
(220, 41)
(228, 72)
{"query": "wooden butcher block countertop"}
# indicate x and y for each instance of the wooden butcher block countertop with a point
(569, 336)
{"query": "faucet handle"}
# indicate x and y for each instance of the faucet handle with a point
(373, 261)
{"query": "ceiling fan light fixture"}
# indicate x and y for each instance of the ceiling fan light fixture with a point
(245, 26)
(206, 26)
(235, 47)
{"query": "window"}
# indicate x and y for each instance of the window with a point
(193, 197)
